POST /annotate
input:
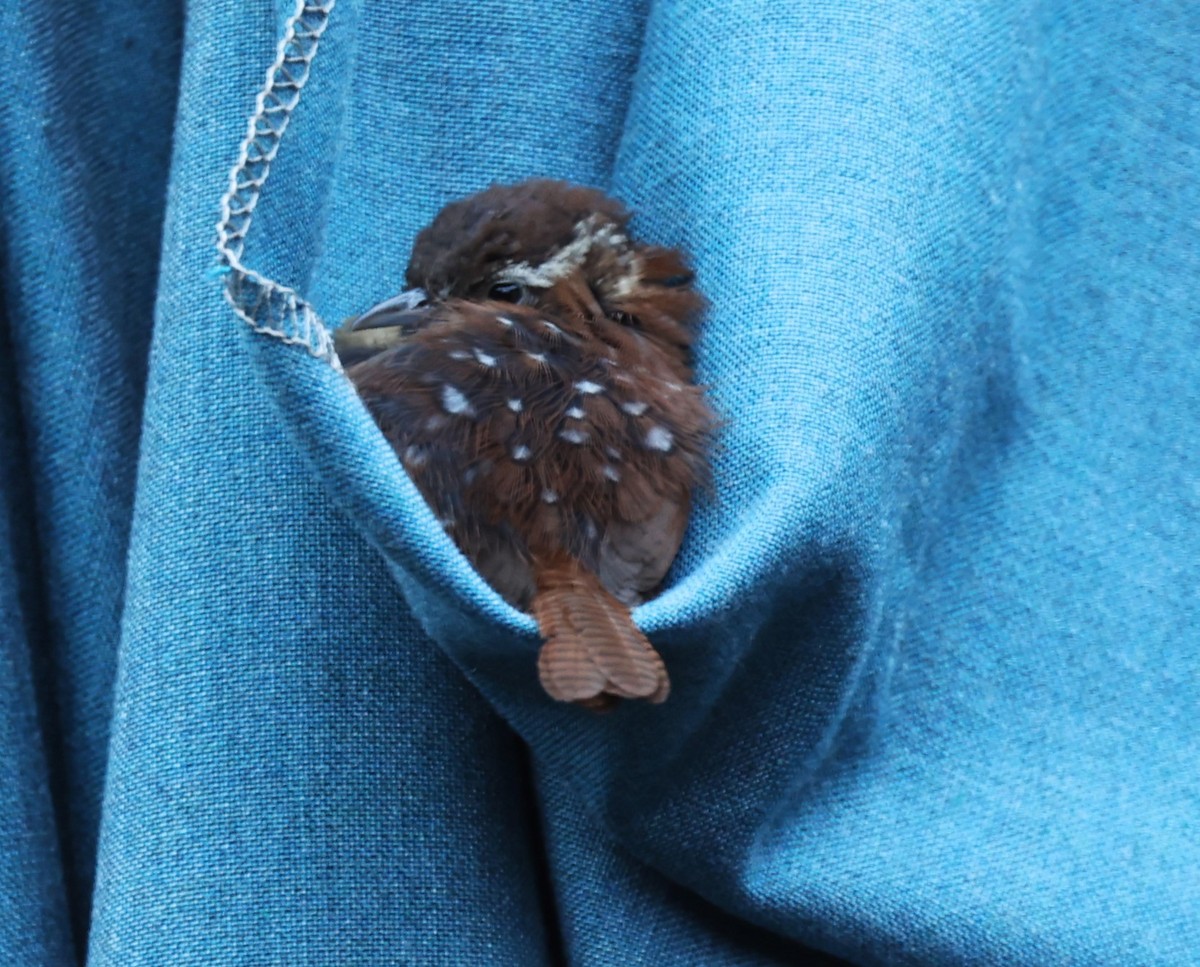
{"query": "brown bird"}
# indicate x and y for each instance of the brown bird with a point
(535, 381)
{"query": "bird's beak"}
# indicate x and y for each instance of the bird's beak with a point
(381, 327)
(405, 311)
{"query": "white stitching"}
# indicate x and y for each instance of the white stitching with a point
(264, 305)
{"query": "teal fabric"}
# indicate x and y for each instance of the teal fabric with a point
(933, 636)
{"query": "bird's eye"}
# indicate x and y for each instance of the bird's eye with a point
(678, 281)
(506, 292)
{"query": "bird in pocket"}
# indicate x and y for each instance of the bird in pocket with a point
(535, 380)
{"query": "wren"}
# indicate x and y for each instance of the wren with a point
(535, 381)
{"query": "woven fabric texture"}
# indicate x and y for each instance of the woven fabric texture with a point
(933, 637)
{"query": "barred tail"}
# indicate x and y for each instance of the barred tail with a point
(593, 653)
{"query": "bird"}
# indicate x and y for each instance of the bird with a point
(535, 380)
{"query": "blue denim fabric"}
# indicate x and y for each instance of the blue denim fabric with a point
(933, 636)
(85, 118)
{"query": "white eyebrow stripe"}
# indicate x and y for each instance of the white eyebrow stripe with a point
(591, 231)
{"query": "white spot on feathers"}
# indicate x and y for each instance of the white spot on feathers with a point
(454, 402)
(659, 438)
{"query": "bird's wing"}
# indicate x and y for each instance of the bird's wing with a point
(633, 556)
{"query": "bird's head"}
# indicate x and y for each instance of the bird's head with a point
(555, 247)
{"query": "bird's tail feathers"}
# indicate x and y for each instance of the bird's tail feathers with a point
(593, 653)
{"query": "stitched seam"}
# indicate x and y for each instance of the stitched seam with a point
(263, 304)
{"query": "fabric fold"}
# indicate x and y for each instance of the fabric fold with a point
(931, 637)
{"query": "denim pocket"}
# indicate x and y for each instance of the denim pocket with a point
(762, 622)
